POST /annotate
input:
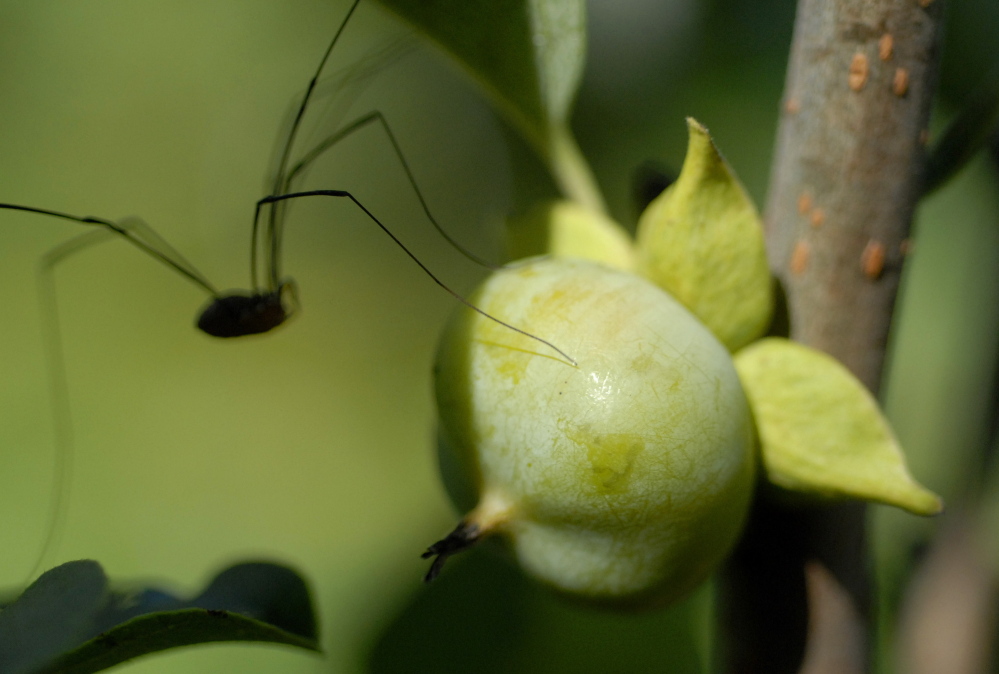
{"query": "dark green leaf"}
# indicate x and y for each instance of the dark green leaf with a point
(528, 54)
(977, 122)
(162, 630)
(51, 615)
(270, 593)
(69, 622)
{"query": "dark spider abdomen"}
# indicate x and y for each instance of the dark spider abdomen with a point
(237, 315)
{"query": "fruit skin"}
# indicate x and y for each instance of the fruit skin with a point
(625, 479)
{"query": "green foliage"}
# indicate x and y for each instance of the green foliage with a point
(69, 620)
(974, 127)
(51, 616)
(528, 55)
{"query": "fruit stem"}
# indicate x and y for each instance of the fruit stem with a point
(492, 512)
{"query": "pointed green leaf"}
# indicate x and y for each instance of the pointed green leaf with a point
(702, 241)
(529, 54)
(821, 432)
(568, 229)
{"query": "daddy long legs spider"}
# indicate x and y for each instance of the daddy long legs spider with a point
(127, 390)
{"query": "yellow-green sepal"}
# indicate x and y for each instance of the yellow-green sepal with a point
(570, 230)
(702, 241)
(821, 432)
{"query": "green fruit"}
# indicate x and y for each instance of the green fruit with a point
(624, 478)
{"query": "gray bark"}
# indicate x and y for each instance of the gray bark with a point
(846, 179)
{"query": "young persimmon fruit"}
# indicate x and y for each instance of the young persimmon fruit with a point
(623, 477)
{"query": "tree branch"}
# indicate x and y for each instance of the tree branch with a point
(846, 176)
(845, 182)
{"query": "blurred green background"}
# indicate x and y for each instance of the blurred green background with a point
(313, 445)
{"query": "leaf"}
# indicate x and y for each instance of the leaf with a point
(268, 592)
(702, 241)
(821, 432)
(247, 602)
(163, 630)
(975, 124)
(568, 229)
(529, 54)
(50, 616)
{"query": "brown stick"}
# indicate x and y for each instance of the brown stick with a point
(845, 182)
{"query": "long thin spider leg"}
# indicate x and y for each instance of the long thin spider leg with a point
(378, 117)
(139, 234)
(58, 389)
(279, 180)
(162, 249)
(347, 84)
(426, 270)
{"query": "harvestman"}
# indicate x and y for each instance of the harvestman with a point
(265, 306)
